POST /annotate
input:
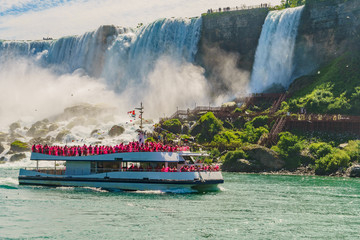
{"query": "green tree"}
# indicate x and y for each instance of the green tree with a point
(207, 127)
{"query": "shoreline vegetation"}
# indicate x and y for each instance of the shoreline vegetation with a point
(245, 140)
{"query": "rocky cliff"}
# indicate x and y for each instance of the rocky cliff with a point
(230, 35)
(327, 30)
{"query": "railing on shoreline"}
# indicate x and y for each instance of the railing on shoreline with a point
(53, 171)
(237, 8)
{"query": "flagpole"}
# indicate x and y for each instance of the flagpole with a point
(141, 108)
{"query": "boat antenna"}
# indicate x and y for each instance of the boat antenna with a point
(141, 108)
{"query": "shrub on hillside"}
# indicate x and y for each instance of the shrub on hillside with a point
(332, 162)
(206, 128)
(289, 147)
(320, 149)
(259, 121)
(172, 125)
(353, 150)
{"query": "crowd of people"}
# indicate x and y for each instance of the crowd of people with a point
(98, 150)
(184, 168)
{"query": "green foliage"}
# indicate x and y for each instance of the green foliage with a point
(250, 134)
(334, 89)
(206, 128)
(289, 4)
(226, 137)
(228, 125)
(231, 159)
(150, 139)
(172, 125)
(18, 144)
(289, 147)
(332, 162)
(259, 121)
(353, 150)
(239, 123)
(355, 101)
(320, 149)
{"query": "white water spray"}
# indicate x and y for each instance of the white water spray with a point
(274, 55)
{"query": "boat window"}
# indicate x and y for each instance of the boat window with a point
(188, 159)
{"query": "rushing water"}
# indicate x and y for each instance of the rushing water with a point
(274, 54)
(248, 207)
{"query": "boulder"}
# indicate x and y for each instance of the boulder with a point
(38, 129)
(42, 141)
(53, 127)
(76, 122)
(354, 171)
(18, 146)
(116, 131)
(14, 126)
(60, 136)
(17, 157)
(3, 137)
(265, 157)
(2, 148)
(240, 165)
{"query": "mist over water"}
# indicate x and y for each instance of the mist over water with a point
(114, 66)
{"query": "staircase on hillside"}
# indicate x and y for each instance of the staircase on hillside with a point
(276, 105)
(272, 136)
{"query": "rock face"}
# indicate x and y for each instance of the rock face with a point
(228, 44)
(266, 158)
(17, 157)
(116, 131)
(19, 146)
(1, 148)
(354, 171)
(235, 31)
(327, 30)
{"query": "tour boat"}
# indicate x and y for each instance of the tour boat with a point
(163, 171)
(135, 166)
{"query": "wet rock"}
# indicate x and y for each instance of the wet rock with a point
(265, 157)
(60, 136)
(53, 127)
(2, 148)
(354, 171)
(76, 122)
(14, 136)
(42, 141)
(94, 132)
(3, 137)
(241, 165)
(17, 157)
(38, 129)
(18, 146)
(14, 126)
(116, 131)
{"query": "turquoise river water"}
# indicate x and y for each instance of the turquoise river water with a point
(247, 207)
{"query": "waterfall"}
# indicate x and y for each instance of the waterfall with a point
(118, 55)
(273, 64)
(133, 56)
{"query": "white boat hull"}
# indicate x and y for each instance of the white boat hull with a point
(130, 181)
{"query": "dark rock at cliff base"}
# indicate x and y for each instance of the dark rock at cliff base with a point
(14, 126)
(1, 148)
(354, 171)
(241, 165)
(265, 157)
(3, 137)
(18, 146)
(60, 136)
(116, 131)
(17, 157)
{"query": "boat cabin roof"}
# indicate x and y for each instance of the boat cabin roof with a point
(125, 157)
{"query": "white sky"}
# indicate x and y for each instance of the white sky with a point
(35, 19)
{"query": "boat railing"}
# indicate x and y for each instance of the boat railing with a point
(105, 170)
(47, 170)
